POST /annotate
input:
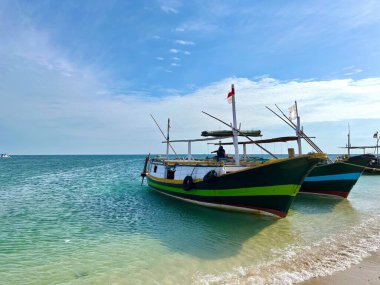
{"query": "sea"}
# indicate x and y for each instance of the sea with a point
(88, 220)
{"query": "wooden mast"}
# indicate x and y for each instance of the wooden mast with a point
(298, 131)
(235, 133)
(167, 140)
(377, 144)
(349, 141)
(158, 126)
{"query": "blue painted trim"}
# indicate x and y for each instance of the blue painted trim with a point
(346, 176)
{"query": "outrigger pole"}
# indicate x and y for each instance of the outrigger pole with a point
(241, 133)
(298, 131)
(349, 141)
(304, 136)
(294, 127)
(166, 137)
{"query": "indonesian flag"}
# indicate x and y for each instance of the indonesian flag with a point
(293, 112)
(230, 94)
(375, 135)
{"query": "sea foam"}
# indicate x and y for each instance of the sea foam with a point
(298, 263)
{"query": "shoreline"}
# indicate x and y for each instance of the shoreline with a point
(365, 272)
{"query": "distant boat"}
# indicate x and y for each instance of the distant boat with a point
(260, 186)
(334, 178)
(331, 178)
(373, 167)
(4, 155)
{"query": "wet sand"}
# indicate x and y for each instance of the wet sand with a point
(366, 272)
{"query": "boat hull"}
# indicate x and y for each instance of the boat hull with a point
(361, 160)
(269, 188)
(373, 167)
(369, 160)
(332, 179)
(372, 170)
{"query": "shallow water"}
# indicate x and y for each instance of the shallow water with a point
(87, 220)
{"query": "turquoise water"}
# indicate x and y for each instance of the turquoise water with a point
(87, 220)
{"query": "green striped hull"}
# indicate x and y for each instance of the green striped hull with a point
(269, 188)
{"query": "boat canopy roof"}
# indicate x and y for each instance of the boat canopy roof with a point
(197, 140)
(358, 147)
(272, 140)
(228, 133)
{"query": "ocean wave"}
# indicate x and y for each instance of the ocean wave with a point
(298, 263)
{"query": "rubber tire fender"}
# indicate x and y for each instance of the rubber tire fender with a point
(210, 176)
(188, 183)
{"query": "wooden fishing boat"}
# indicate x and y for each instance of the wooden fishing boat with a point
(331, 178)
(266, 187)
(336, 179)
(361, 159)
(373, 164)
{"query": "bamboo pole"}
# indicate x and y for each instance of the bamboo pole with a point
(293, 126)
(164, 135)
(304, 136)
(241, 133)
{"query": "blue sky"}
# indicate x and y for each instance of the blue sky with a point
(83, 76)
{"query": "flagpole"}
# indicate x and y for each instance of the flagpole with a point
(235, 133)
(167, 140)
(349, 141)
(158, 126)
(298, 131)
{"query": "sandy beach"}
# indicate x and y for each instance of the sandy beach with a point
(366, 272)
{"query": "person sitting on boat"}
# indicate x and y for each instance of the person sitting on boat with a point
(220, 153)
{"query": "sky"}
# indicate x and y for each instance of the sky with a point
(83, 77)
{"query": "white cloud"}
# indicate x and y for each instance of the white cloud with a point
(187, 52)
(156, 37)
(185, 43)
(200, 26)
(167, 9)
(34, 46)
(45, 107)
(48, 111)
(170, 6)
(355, 71)
(53, 105)
(176, 58)
(351, 70)
(175, 64)
(159, 58)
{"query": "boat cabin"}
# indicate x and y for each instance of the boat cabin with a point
(179, 169)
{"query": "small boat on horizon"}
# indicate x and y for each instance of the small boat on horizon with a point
(264, 187)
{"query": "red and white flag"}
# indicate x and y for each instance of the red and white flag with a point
(230, 94)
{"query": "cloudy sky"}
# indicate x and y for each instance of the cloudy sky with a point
(82, 77)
